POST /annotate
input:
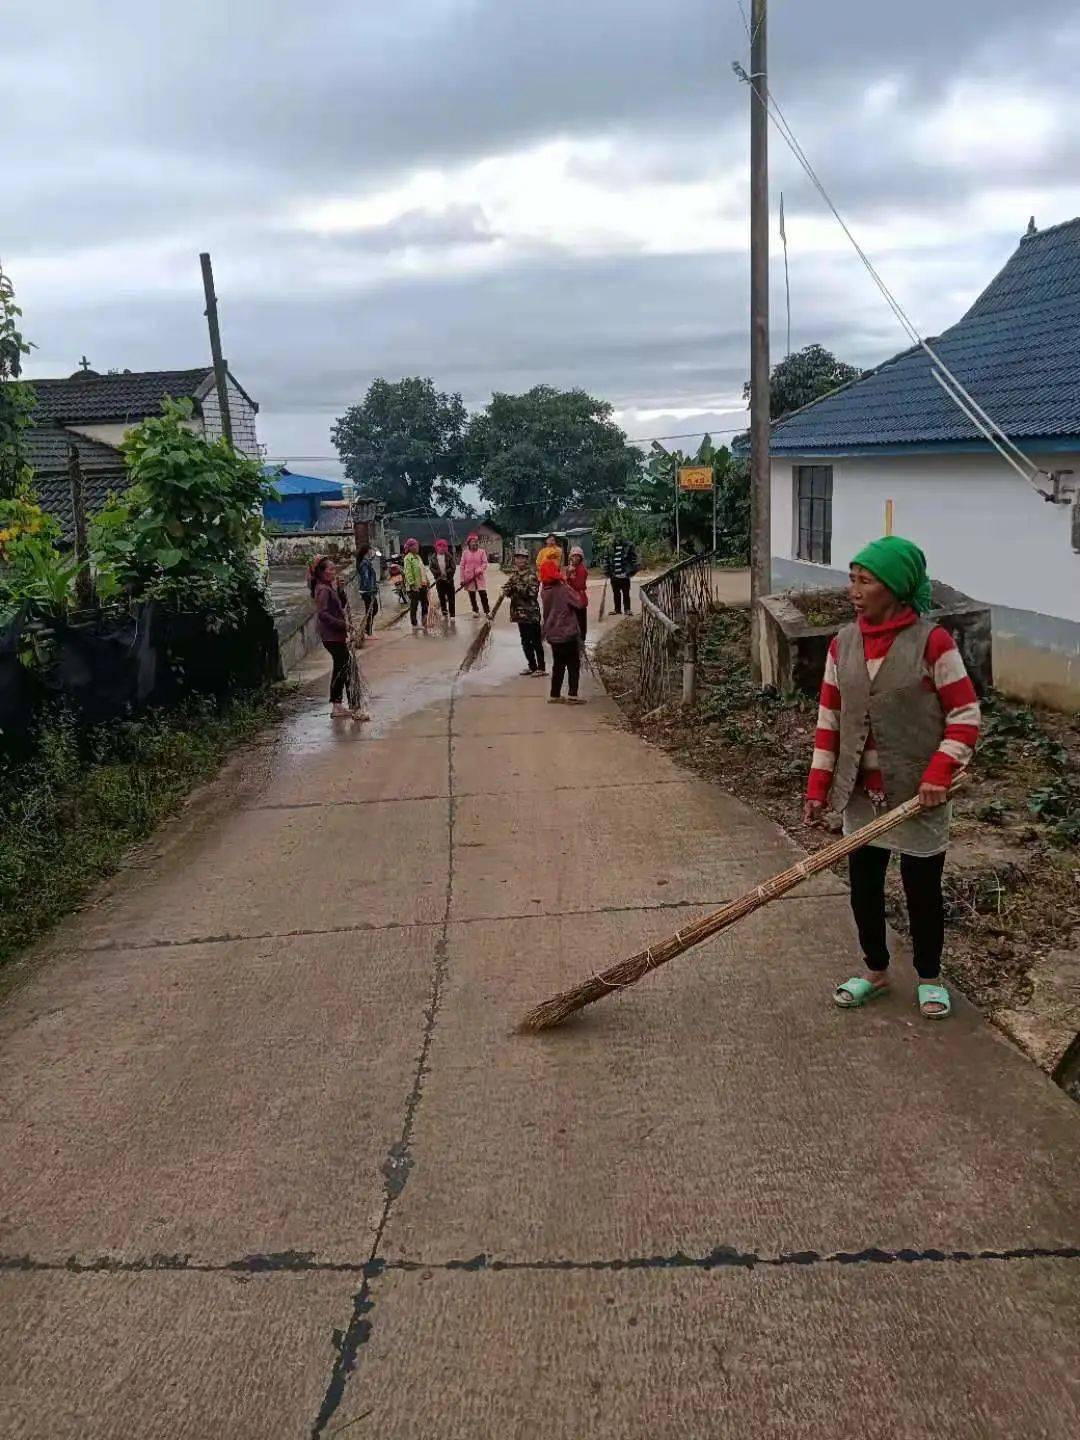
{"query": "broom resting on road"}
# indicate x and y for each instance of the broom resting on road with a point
(627, 972)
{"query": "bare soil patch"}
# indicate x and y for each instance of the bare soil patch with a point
(1012, 883)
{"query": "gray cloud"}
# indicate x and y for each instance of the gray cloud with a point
(145, 131)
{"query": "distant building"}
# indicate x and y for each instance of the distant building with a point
(301, 498)
(454, 529)
(94, 412)
(893, 447)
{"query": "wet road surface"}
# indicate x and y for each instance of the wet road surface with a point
(273, 1162)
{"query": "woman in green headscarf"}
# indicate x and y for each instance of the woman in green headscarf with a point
(898, 717)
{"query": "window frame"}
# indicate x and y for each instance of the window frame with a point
(814, 523)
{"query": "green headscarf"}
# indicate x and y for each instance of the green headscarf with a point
(901, 565)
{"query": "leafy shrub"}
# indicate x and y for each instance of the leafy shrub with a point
(186, 530)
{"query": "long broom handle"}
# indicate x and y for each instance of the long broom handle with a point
(626, 972)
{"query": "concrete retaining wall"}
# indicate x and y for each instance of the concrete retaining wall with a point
(1036, 657)
(296, 630)
(794, 651)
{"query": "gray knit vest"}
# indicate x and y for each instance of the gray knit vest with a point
(904, 714)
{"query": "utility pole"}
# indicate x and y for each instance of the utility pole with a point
(675, 483)
(760, 526)
(84, 583)
(220, 368)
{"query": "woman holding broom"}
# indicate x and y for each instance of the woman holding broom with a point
(523, 588)
(898, 717)
(416, 583)
(562, 632)
(473, 572)
(332, 624)
(577, 577)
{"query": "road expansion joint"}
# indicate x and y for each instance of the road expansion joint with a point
(720, 1257)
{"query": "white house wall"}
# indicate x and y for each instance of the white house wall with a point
(984, 530)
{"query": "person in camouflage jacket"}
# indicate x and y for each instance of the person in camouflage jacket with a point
(523, 591)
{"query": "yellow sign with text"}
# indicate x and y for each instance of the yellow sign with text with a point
(695, 477)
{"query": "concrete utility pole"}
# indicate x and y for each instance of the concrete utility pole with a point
(760, 524)
(221, 370)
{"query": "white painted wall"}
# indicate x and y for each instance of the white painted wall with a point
(113, 434)
(243, 417)
(984, 531)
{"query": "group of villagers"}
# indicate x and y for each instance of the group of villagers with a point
(445, 575)
(898, 715)
(549, 602)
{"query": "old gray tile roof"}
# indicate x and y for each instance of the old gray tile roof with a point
(91, 399)
(47, 447)
(1017, 350)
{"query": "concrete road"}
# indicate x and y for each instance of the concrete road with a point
(274, 1164)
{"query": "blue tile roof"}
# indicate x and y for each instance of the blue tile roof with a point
(287, 482)
(1017, 350)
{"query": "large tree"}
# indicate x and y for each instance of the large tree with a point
(804, 376)
(535, 454)
(405, 444)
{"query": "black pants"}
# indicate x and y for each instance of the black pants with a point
(620, 589)
(566, 660)
(418, 598)
(445, 591)
(583, 622)
(339, 653)
(926, 908)
(532, 645)
(472, 594)
(371, 609)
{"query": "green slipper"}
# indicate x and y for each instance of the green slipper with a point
(934, 995)
(859, 991)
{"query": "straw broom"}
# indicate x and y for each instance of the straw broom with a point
(627, 972)
(481, 642)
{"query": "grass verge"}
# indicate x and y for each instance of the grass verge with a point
(69, 815)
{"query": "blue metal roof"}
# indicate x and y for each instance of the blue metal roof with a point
(1017, 350)
(287, 482)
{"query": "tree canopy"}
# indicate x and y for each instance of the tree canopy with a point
(535, 454)
(405, 444)
(804, 376)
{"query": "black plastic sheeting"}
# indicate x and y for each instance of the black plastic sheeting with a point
(115, 669)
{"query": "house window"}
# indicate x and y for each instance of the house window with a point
(813, 489)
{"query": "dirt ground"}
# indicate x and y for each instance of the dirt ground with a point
(1013, 880)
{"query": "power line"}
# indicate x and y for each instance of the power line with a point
(640, 440)
(1009, 451)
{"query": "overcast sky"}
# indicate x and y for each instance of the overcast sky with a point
(502, 192)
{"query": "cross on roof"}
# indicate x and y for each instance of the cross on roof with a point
(84, 363)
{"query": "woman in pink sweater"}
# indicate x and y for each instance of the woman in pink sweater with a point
(473, 572)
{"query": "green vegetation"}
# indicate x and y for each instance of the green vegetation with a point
(186, 531)
(805, 376)
(68, 816)
(653, 491)
(16, 397)
(548, 450)
(405, 444)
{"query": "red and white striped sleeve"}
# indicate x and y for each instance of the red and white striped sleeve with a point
(827, 735)
(945, 668)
